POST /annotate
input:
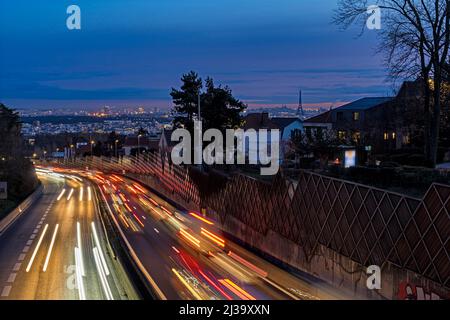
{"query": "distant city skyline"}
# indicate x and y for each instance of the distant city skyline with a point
(264, 50)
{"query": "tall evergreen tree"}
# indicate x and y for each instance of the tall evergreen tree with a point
(220, 109)
(185, 100)
(15, 168)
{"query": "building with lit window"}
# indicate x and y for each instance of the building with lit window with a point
(378, 124)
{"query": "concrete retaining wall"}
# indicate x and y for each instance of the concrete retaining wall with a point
(327, 265)
(7, 221)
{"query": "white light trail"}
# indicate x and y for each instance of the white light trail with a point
(83, 273)
(70, 194)
(47, 259)
(89, 194)
(97, 242)
(80, 284)
(81, 194)
(61, 194)
(37, 248)
(102, 275)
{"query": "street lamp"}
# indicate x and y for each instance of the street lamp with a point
(92, 145)
(139, 144)
(115, 143)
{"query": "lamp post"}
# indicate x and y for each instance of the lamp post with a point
(139, 145)
(72, 155)
(115, 143)
(92, 146)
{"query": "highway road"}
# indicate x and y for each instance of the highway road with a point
(57, 249)
(186, 255)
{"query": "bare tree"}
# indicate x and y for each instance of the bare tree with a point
(415, 37)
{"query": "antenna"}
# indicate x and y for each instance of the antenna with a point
(300, 112)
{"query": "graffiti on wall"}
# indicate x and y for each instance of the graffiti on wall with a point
(409, 291)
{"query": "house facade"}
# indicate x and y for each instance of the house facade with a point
(379, 124)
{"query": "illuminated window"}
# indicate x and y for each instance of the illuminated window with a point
(406, 139)
(386, 136)
(355, 116)
(341, 135)
(350, 158)
(356, 136)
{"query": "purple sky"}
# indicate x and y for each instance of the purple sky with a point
(131, 53)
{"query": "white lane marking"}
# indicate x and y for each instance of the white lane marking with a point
(29, 242)
(70, 194)
(6, 291)
(17, 266)
(35, 230)
(36, 249)
(33, 236)
(97, 242)
(39, 225)
(102, 275)
(61, 194)
(21, 257)
(156, 230)
(141, 267)
(175, 249)
(12, 277)
(47, 259)
(81, 194)
(80, 284)
(80, 252)
(25, 249)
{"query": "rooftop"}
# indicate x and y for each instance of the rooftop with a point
(365, 103)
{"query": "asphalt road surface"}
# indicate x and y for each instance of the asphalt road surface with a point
(188, 257)
(57, 249)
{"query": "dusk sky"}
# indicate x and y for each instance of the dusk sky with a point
(130, 53)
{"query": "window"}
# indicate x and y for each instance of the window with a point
(406, 139)
(356, 116)
(386, 136)
(340, 116)
(356, 136)
(341, 135)
(394, 135)
(308, 132)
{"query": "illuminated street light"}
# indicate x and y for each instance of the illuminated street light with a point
(139, 144)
